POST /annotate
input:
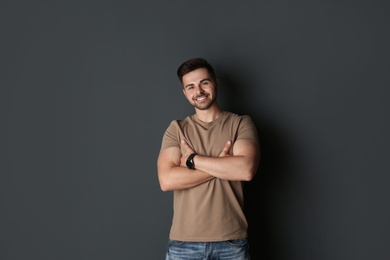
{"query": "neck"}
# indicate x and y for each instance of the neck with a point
(208, 115)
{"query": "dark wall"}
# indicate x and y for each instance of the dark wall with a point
(89, 87)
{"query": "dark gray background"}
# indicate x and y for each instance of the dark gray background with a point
(89, 87)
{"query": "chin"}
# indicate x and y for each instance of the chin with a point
(205, 107)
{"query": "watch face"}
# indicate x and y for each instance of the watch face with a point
(190, 162)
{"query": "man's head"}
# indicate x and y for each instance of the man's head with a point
(194, 64)
(199, 83)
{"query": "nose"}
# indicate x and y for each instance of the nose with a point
(199, 89)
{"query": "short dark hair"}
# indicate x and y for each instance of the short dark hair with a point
(194, 64)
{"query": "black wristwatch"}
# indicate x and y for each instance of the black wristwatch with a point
(190, 162)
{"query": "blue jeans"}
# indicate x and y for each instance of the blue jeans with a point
(225, 250)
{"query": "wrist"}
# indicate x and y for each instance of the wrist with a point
(190, 161)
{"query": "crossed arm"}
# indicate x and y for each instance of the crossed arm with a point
(173, 173)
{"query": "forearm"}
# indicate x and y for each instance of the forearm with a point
(235, 168)
(180, 178)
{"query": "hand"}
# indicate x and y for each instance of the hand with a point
(225, 150)
(188, 151)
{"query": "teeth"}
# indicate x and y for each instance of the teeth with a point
(201, 98)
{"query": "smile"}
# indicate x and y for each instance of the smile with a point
(201, 98)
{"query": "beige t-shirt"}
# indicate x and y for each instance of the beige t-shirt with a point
(211, 211)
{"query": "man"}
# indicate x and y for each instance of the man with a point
(204, 159)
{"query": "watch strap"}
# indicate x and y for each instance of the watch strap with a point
(190, 161)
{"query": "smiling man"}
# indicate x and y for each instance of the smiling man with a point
(204, 159)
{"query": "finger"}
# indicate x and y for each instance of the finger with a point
(226, 149)
(186, 146)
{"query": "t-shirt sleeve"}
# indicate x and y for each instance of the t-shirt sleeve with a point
(247, 130)
(171, 136)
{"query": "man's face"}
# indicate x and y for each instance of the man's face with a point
(199, 88)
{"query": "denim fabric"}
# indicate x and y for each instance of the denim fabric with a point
(225, 250)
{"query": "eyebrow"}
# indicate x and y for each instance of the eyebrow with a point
(206, 79)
